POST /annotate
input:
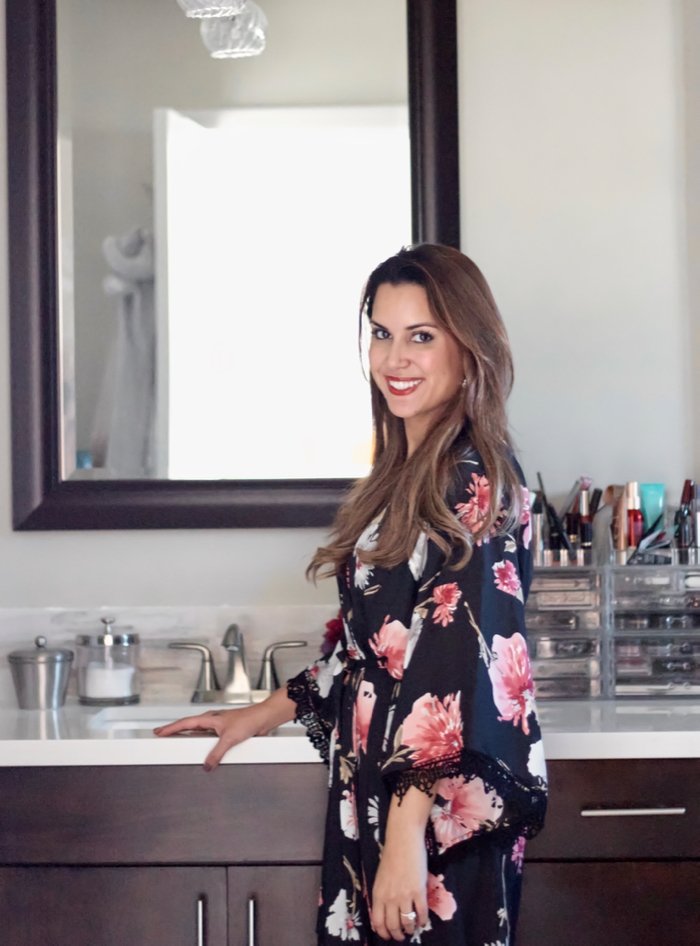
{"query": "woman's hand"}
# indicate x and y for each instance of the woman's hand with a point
(401, 885)
(235, 725)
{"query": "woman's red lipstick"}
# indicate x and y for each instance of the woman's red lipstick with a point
(402, 386)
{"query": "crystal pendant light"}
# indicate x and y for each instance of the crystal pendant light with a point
(236, 36)
(201, 9)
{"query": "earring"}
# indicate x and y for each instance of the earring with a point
(464, 382)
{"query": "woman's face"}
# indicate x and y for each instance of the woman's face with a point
(414, 362)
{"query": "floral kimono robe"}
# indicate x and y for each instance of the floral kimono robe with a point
(430, 686)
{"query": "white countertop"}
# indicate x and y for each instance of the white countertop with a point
(79, 735)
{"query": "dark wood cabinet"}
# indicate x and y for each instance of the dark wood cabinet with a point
(140, 855)
(619, 858)
(595, 903)
(113, 906)
(273, 905)
(161, 855)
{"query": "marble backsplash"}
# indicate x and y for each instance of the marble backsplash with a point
(170, 675)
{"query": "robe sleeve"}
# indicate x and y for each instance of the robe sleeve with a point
(463, 725)
(315, 691)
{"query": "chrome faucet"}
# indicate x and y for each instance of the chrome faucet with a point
(207, 687)
(236, 688)
(268, 679)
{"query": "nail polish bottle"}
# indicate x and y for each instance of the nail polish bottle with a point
(635, 521)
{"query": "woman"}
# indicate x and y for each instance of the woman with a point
(425, 710)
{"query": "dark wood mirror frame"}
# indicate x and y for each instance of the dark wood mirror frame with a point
(41, 499)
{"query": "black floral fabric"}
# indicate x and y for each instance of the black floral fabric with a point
(430, 686)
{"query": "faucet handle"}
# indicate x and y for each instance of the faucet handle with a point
(207, 686)
(268, 679)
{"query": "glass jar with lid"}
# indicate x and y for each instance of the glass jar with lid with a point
(107, 667)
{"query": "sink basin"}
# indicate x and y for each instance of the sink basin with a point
(144, 717)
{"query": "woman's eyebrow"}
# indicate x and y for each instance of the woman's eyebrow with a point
(407, 328)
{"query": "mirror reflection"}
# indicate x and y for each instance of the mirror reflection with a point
(217, 217)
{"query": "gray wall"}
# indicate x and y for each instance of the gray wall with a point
(601, 300)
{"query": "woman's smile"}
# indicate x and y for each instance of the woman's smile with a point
(402, 386)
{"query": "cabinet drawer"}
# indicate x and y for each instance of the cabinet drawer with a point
(639, 903)
(631, 808)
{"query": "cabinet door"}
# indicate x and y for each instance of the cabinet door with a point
(273, 905)
(626, 903)
(113, 906)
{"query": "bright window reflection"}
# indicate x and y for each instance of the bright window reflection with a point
(236, 318)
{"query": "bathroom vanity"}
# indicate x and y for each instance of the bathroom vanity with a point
(109, 836)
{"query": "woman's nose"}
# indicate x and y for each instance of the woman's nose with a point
(397, 355)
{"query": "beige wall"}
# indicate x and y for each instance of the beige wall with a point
(589, 253)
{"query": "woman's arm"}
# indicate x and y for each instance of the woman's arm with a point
(401, 884)
(235, 725)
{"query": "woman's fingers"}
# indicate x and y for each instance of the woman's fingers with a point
(386, 922)
(390, 921)
(209, 721)
(420, 905)
(231, 726)
(408, 916)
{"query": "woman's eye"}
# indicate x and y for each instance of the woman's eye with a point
(380, 333)
(422, 337)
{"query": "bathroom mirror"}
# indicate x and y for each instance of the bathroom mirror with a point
(46, 254)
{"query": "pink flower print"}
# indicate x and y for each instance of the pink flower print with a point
(389, 644)
(348, 815)
(445, 598)
(362, 715)
(433, 728)
(507, 579)
(473, 513)
(440, 900)
(468, 808)
(518, 854)
(525, 517)
(511, 680)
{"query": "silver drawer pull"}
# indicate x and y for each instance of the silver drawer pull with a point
(628, 812)
(251, 921)
(201, 909)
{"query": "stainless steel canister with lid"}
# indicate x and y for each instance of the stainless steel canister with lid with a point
(41, 675)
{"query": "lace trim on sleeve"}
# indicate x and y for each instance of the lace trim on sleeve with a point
(525, 804)
(424, 777)
(318, 730)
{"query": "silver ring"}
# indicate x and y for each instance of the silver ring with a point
(409, 916)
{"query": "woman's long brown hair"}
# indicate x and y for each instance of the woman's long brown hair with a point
(411, 492)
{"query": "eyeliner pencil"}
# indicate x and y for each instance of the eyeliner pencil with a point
(556, 532)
